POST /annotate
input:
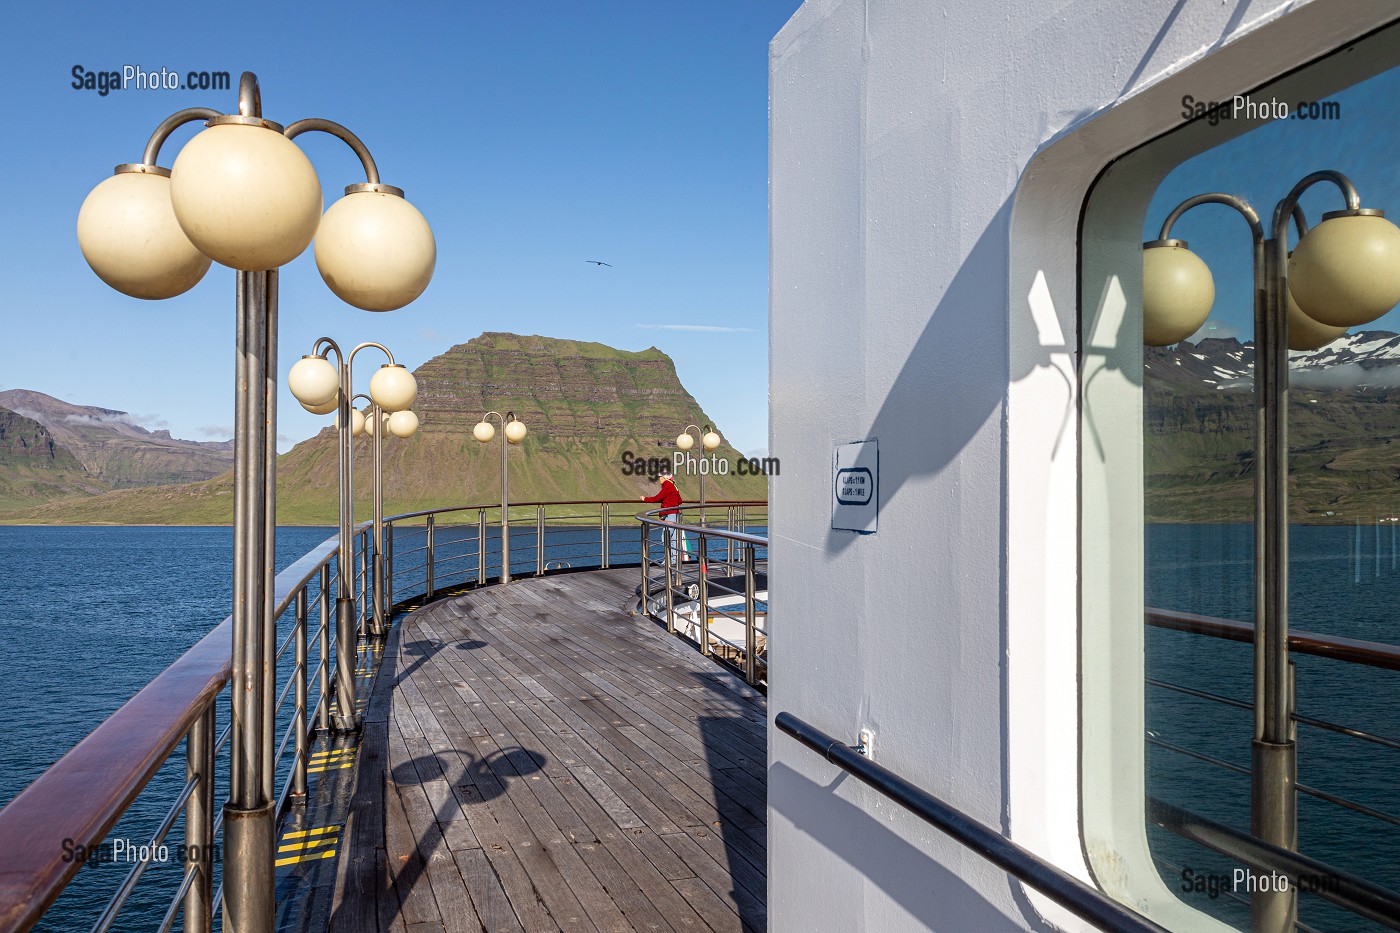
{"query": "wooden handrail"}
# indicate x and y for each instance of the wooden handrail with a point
(1336, 647)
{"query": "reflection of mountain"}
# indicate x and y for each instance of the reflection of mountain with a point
(1344, 430)
(585, 405)
(114, 449)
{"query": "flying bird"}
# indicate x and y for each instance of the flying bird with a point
(598, 262)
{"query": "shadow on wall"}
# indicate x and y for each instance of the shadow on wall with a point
(927, 890)
(962, 349)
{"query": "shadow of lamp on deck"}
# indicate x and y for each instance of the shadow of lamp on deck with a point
(242, 194)
(1343, 273)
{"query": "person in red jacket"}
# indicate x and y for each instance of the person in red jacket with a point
(669, 497)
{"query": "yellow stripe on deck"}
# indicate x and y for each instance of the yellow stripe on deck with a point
(292, 860)
(302, 833)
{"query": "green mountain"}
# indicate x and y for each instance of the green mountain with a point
(35, 468)
(114, 449)
(584, 405)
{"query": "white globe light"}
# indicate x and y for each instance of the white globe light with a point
(393, 387)
(371, 428)
(711, 440)
(1306, 334)
(314, 381)
(1346, 271)
(515, 432)
(357, 422)
(403, 424)
(246, 196)
(325, 409)
(128, 234)
(1177, 294)
(684, 442)
(484, 431)
(375, 250)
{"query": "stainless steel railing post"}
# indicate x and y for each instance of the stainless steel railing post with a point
(646, 568)
(539, 540)
(199, 823)
(704, 605)
(750, 630)
(667, 538)
(323, 652)
(299, 710)
(363, 579)
(729, 543)
(389, 536)
(603, 523)
(430, 542)
(481, 546)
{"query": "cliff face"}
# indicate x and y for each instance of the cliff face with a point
(115, 450)
(585, 405)
(35, 468)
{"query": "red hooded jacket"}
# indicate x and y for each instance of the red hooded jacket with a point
(669, 497)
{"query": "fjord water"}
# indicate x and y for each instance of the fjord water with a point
(91, 615)
(1344, 581)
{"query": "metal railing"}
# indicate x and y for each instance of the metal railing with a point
(1061, 887)
(87, 791)
(1344, 890)
(736, 595)
(427, 554)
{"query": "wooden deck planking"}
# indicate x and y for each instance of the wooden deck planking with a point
(535, 758)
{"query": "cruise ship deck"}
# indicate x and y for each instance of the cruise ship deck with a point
(535, 757)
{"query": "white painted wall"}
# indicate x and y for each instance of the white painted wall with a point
(929, 165)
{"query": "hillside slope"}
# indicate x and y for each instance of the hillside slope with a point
(114, 449)
(35, 468)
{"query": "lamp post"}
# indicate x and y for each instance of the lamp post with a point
(392, 388)
(709, 441)
(514, 431)
(242, 194)
(1342, 273)
(378, 423)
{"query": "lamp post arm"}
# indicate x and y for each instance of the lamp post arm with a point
(1285, 207)
(371, 343)
(499, 417)
(1242, 206)
(317, 125)
(324, 346)
(169, 125)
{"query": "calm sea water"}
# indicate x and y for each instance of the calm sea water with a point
(90, 616)
(1343, 581)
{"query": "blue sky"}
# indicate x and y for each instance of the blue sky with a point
(533, 137)
(1262, 166)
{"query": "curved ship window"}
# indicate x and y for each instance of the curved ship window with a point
(1204, 522)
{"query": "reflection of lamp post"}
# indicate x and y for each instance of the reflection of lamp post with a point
(1344, 272)
(514, 431)
(709, 440)
(241, 194)
(321, 387)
